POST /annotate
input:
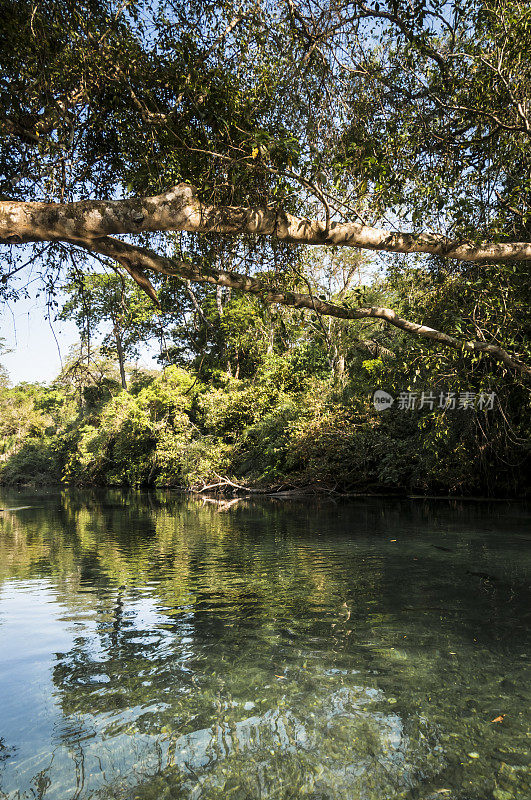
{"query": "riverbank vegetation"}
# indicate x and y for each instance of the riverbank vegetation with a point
(248, 155)
(270, 399)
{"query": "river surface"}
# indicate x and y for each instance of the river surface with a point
(159, 647)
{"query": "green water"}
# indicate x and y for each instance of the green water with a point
(159, 647)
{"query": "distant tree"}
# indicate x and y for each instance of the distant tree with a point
(105, 303)
(4, 374)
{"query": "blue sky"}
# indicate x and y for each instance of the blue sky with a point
(36, 353)
(38, 345)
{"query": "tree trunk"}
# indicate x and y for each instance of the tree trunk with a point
(219, 301)
(339, 367)
(120, 353)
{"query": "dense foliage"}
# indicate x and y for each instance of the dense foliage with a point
(271, 400)
(394, 114)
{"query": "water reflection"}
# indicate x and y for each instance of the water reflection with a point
(153, 646)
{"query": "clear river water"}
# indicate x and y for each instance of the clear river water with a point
(155, 646)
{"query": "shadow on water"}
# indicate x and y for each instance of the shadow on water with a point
(154, 646)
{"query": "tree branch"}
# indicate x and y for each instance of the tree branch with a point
(141, 259)
(180, 210)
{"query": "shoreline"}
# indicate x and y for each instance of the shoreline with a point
(250, 493)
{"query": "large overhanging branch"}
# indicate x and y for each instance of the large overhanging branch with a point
(181, 210)
(136, 260)
(90, 224)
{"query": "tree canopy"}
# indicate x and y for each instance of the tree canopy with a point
(221, 138)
